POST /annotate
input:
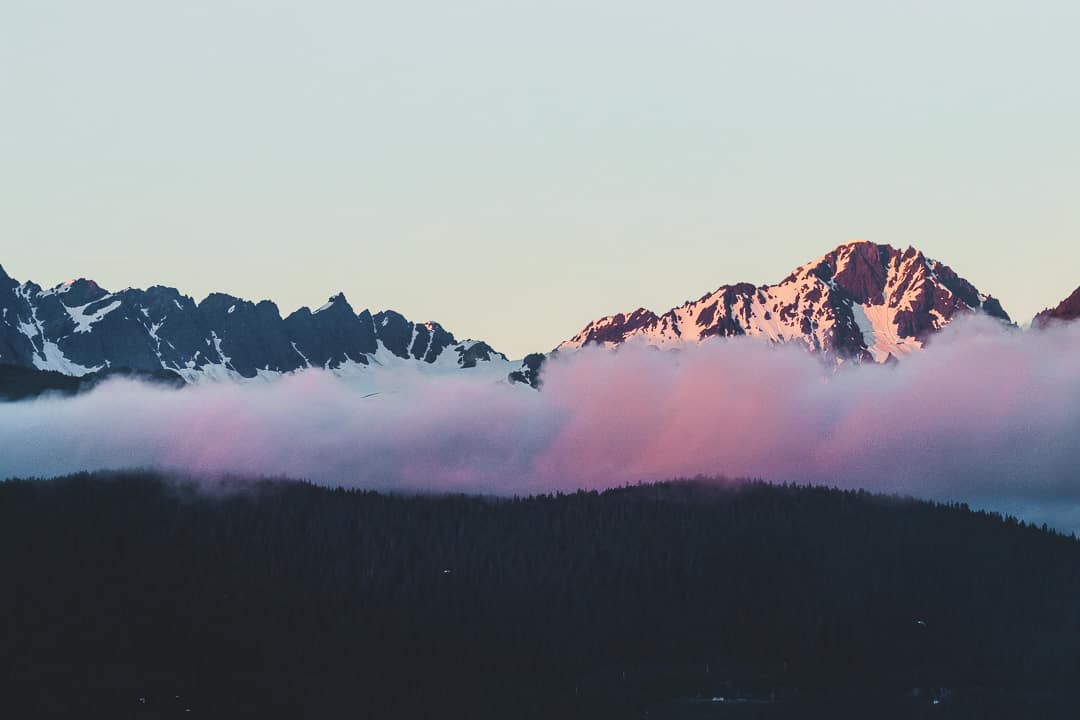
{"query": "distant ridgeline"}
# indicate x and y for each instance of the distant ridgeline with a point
(78, 328)
(862, 302)
(132, 596)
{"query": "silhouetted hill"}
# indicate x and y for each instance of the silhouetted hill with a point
(129, 596)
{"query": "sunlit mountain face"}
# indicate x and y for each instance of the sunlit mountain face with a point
(1066, 311)
(862, 302)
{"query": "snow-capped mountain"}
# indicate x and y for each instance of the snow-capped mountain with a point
(1067, 310)
(78, 328)
(862, 301)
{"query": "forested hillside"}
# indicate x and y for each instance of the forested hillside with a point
(133, 596)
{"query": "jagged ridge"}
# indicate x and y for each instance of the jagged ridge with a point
(78, 328)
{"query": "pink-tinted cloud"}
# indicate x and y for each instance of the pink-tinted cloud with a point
(986, 415)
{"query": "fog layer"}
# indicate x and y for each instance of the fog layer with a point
(985, 415)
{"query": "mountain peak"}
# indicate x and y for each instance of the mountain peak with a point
(335, 301)
(859, 267)
(84, 285)
(859, 301)
(77, 291)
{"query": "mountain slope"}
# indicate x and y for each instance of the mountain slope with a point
(1067, 310)
(862, 301)
(78, 328)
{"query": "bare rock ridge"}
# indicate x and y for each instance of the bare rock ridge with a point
(862, 301)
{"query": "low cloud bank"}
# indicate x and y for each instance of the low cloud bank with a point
(987, 415)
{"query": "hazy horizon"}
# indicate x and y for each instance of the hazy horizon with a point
(515, 169)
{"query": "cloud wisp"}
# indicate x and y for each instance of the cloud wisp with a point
(986, 415)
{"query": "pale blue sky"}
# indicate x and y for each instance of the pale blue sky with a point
(514, 169)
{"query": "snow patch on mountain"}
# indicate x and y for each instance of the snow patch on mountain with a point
(84, 320)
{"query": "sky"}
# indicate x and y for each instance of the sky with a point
(515, 169)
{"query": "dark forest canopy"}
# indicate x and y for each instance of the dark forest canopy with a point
(133, 596)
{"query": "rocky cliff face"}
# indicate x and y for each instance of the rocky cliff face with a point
(862, 302)
(78, 328)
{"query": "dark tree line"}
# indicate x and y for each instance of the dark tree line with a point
(133, 596)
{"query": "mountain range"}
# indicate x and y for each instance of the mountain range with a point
(861, 302)
(78, 328)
